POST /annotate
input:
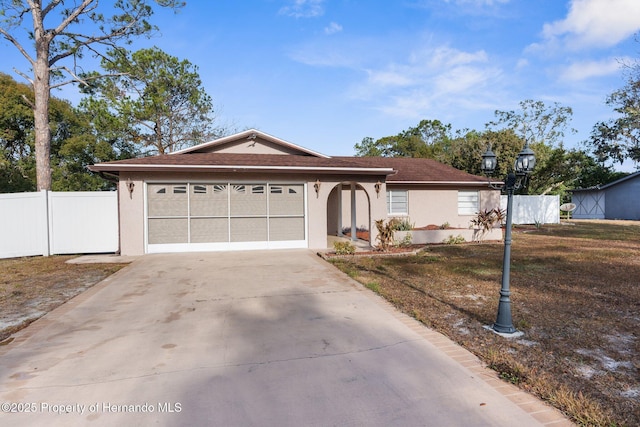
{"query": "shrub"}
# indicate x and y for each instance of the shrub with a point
(344, 248)
(454, 240)
(403, 224)
(385, 233)
(407, 240)
(487, 219)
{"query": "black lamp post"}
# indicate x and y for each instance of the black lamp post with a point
(524, 164)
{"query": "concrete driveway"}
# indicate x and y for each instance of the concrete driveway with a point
(276, 338)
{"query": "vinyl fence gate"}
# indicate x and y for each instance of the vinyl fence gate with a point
(534, 209)
(47, 223)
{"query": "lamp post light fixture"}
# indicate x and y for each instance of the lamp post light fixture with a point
(516, 179)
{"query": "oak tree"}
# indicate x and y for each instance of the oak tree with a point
(618, 139)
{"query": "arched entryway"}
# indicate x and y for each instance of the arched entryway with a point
(349, 212)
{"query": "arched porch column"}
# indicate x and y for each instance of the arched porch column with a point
(377, 206)
(354, 218)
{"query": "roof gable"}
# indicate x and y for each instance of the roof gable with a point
(251, 141)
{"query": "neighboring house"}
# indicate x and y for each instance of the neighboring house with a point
(617, 200)
(255, 191)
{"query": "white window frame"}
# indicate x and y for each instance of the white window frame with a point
(468, 202)
(391, 211)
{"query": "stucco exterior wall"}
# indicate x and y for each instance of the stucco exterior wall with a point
(257, 146)
(132, 208)
(438, 206)
(362, 208)
(426, 206)
(131, 215)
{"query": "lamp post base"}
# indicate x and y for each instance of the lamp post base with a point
(514, 334)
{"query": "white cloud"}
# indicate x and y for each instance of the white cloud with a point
(333, 28)
(428, 79)
(304, 9)
(325, 55)
(600, 23)
(427, 65)
(445, 57)
(385, 78)
(587, 69)
(477, 3)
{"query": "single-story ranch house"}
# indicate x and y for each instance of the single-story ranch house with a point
(252, 190)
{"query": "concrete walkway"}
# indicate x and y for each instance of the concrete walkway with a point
(276, 338)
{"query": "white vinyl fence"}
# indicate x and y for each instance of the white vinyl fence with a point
(534, 209)
(47, 223)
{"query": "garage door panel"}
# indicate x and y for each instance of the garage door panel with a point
(286, 229)
(209, 230)
(168, 230)
(167, 200)
(248, 229)
(209, 200)
(286, 200)
(248, 200)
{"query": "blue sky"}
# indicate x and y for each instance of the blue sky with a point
(326, 73)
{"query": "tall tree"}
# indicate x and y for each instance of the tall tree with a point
(428, 139)
(467, 147)
(619, 139)
(536, 122)
(543, 127)
(53, 49)
(557, 169)
(74, 143)
(16, 137)
(155, 98)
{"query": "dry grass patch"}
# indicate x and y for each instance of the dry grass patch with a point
(575, 294)
(31, 287)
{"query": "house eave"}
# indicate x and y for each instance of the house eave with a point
(240, 168)
(467, 183)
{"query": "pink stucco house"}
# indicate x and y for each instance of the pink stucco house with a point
(252, 190)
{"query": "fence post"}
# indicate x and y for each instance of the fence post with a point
(47, 223)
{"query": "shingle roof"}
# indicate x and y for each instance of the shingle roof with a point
(413, 170)
(235, 161)
(397, 170)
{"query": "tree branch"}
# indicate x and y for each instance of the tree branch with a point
(23, 75)
(77, 79)
(89, 41)
(17, 44)
(72, 17)
(28, 101)
(50, 7)
(551, 187)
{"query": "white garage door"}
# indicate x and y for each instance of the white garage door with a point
(225, 216)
